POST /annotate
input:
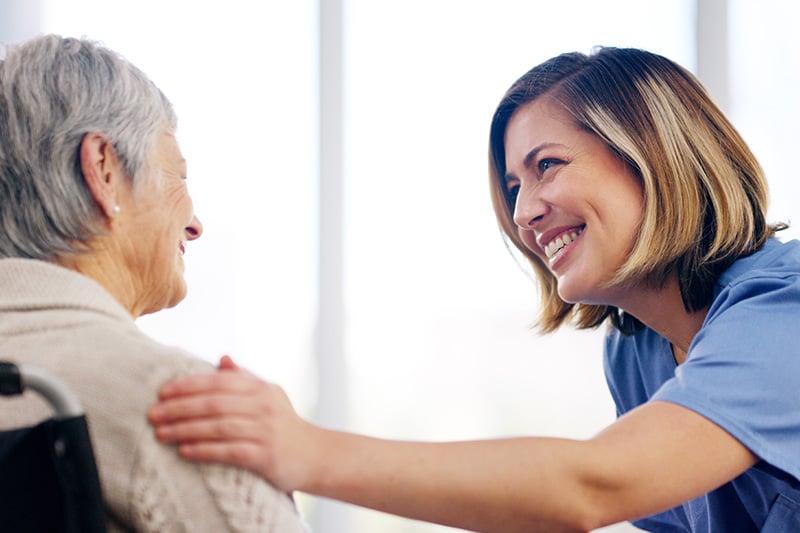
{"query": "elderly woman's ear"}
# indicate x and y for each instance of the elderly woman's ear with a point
(102, 171)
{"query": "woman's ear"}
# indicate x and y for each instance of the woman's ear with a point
(102, 171)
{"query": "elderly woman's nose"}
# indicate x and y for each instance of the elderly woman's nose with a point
(194, 229)
(529, 207)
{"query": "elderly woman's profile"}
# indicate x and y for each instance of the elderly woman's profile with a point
(95, 218)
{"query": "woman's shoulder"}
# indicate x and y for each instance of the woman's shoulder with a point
(775, 259)
(110, 353)
(768, 282)
(113, 367)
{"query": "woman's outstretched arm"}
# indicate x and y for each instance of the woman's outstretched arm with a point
(654, 458)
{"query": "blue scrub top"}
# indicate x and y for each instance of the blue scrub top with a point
(742, 372)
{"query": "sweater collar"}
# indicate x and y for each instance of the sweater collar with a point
(29, 284)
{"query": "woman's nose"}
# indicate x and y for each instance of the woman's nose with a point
(194, 229)
(529, 207)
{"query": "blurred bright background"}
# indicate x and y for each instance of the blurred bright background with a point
(425, 330)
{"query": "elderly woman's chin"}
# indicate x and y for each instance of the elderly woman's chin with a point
(155, 295)
(174, 295)
(178, 294)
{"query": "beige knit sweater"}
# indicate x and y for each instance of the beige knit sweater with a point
(66, 323)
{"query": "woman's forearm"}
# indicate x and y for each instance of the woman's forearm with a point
(637, 466)
(499, 485)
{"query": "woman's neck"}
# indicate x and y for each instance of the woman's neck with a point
(663, 311)
(101, 264)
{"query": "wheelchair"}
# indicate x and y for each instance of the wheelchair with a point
(49, 479)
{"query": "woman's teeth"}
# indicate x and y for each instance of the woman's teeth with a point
(561, 241)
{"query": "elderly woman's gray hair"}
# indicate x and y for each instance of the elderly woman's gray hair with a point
(53, 91)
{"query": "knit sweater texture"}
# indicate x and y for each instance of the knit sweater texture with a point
(68, 324)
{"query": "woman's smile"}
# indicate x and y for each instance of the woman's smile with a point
(556, 248)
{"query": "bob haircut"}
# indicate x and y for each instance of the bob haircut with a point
(705, 195)
(53, 91)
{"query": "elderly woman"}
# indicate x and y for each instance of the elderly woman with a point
(95, 218)
(641, 209)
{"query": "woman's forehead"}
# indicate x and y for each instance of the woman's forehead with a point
(537, 124)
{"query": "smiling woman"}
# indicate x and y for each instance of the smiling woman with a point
(643, 117)
(140, 262)
(601, 147)
(94, 238)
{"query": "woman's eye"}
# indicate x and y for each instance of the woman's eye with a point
(545, 164)
(511, 196)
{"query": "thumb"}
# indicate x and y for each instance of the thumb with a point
(226, 363)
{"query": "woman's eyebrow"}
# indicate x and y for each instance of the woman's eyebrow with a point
(530, 156)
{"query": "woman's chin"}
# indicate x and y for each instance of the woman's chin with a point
(178, 293)
(573, 293)
(169, 296)
(567, 290)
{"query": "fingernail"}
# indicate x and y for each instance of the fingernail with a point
(156, 412)
(186, 450)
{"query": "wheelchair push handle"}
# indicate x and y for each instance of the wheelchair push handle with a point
(15, 379)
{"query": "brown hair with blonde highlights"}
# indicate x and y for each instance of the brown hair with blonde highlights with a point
(705, 194)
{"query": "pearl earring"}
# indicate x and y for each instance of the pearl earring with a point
(115, 210)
